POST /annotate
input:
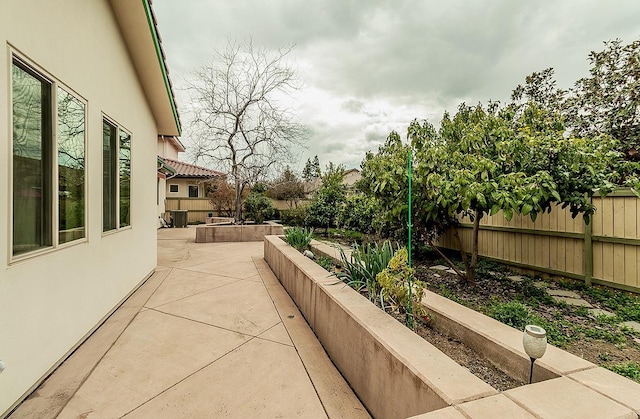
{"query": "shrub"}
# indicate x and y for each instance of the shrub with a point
(358, 213)
(513, 313)
(294, 216)
(366, 262)
(258, 207)
(298, 238)
(396, 284)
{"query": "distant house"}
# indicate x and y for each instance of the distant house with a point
(351, 177)
(84, 99)
(188, 180)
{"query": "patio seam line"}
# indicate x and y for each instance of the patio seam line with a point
(513, 399)
(189, 375)
(115, 340)
(205, 273)
(219, 327)
(191, 295)
(313, 384)
(600, 392)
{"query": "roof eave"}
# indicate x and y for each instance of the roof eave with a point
(140, 34)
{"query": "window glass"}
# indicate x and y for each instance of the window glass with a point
(109, 176)
(32, 185)
(173, 188)
(193, 191)
(125, 178)
(71, 167)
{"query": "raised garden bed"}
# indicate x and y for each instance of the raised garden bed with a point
(398, 374)
(227, 232)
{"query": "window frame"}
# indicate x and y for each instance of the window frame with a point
(53, 206)
(177, 188)
(197, 189)
(119, 128)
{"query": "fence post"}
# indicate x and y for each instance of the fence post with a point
(588, 251)
(179, 200)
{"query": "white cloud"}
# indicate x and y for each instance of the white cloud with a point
(372, 67)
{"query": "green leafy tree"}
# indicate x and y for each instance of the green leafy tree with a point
(257, 205)
(483, 161)
(359, 213)
(328, 200)
(311, 169)
(605, 102)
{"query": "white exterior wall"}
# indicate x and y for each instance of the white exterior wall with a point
(48, 303)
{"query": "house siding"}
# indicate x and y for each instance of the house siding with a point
(50, 302)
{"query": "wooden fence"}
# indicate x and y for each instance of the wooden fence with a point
(607, 251)
(197, 208)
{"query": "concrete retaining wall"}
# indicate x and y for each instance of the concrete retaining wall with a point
(394, 372)
(558, 376)
(236, 233)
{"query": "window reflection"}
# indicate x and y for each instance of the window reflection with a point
(31, 160)
(71, 167)
(125, 178)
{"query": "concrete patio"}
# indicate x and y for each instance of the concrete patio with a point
(211, 333)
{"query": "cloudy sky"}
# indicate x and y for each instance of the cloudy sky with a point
(372, 66)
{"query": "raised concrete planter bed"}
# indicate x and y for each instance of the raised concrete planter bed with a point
(394, 372)
(568, 386)
(225, 232)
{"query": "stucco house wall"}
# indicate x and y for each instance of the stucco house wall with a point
(51, 300)
(183, 187)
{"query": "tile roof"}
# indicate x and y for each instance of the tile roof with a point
(191, 170)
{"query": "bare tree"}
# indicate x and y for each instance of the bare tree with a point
(240, 121)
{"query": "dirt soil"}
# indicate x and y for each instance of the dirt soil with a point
(464, 356)
(592, 338)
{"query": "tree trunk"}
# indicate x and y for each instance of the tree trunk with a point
(471, 272)
(463, 253)
(237, 183)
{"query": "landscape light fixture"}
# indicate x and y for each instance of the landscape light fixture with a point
(534, 340)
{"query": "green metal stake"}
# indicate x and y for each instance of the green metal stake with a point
(409, 225)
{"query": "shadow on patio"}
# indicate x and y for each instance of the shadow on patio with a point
(211, 334)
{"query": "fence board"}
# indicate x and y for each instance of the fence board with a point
(555, 242)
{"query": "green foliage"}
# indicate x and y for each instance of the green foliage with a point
(359, 271)
(328, 200)
(626, 305)
(514, 314)
(627, 369)
(311, 169)
(518, 315)
(384, 179)
(326, 263)
(298, 238)
(294, 216)
(605, 102)
(396, 283)
(257, 206)
(359, 213)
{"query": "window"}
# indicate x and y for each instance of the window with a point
(193, 191)
(173, 188)
(116, 176)
(41, 166)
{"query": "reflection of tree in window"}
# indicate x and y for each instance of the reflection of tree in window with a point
(125, 178)
(71, 165)
(31, 160)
